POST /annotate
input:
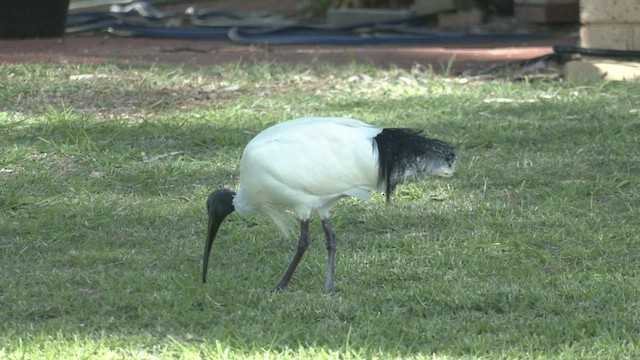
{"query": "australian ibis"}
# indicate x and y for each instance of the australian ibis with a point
(304, 166)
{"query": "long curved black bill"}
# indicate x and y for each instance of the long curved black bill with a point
(214, 225)
(219, 205)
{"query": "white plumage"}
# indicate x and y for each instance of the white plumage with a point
(290, 167)
(305, 166)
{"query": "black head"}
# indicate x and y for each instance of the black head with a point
(219, 205)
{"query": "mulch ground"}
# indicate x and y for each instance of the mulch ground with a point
(101, 48)
(96, 49)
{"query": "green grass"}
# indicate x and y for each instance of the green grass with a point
(530, 252)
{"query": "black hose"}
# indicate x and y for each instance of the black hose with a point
(572, 50)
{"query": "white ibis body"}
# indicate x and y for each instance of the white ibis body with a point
(305, 166)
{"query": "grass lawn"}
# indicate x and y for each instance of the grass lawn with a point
(531, 251)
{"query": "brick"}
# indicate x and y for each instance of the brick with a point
(592, 69)
(546, 2)
(427, 7)
(466, 4)
(547, 14)
(611, 36)
(609, 12)
(353, 16)
(461, 19)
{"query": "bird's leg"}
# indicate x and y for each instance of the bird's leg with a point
(331, 252)
(303, 243)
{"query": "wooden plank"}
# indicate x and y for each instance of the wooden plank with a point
(610, 36)
(609, 12)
